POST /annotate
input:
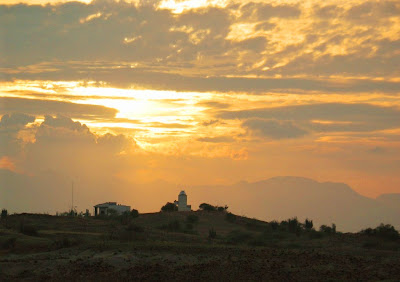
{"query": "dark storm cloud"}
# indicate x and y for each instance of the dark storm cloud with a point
(46, 107)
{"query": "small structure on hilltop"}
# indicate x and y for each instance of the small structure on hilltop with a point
(110, 208)
(182, 202)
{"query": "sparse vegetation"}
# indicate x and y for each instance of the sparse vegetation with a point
(134, 213)
(211, 208)
(9, 243)
(308, 224)
(192, 218)
(274, 225)
(384, 231)
(207, 207)
(328, 229)
(173, 226)
(194, 240)
(238, 237)
(4, 213)
(169, 207)
(134, 227)
(230, 217)
(212, 234)
(294, 226)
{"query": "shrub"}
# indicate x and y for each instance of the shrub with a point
(314, 234)
(191, 218)
(207, 207)
(64, 242)
(328, 229)
(173, 226)
(9, 243)
(220, 209)
(169, 207)
(134, 213)
(385, 231)
(27, 229)
(4, 213)
(230, 217)
(293, 225)
(254, 225)
(212, 234)
(135, 228)
(308, 224)
(274, 225)
(238, 237)
(188, 226)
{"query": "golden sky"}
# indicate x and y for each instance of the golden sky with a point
(123, 93)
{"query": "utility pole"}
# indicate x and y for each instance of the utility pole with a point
(72, 207)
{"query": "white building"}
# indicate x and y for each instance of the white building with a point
(104, 209)
(182, 202)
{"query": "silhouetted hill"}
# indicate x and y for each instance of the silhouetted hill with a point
(283, 197)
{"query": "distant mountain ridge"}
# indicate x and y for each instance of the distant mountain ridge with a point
(287, 196)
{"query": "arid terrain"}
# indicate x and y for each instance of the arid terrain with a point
(195, 246)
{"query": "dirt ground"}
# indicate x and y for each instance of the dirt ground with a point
(66, 253)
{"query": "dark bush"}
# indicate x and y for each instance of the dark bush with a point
(9, 243)
(192, 218)
(135, 228)
(28, 230)
(283, 225)
(274, 225)
(314, 234)
(230, 217)
(238, 237)
(64, 242)
(220, 209)
(4, 213)
(212, 234)
(207, 207)
(384, 231)
(254, 225)
(294, 225)
(188, 226)
(328, 229)
(134, 213)
(173, 226)
(169, 207)
(308, 224)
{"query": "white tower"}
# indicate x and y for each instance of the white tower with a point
(182, 202)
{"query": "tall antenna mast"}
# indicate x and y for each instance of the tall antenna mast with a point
(72, 209)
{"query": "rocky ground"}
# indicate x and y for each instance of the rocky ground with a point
(200, 263)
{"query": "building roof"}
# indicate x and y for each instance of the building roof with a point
(104, 205)
(182, 193)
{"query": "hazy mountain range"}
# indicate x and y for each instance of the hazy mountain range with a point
(325, 202)
(276, 198)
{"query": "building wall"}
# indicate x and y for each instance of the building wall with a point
(120, 208)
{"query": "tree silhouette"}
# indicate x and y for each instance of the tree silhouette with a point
(308, 224)
(169, 207)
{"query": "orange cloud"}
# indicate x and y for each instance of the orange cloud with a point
(7, 163)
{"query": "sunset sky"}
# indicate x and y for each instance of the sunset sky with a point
(120, 95)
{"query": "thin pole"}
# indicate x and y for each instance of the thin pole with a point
(72, 196)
